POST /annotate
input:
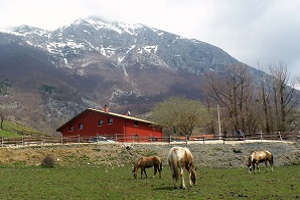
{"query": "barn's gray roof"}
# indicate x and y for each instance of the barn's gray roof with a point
(122, 116)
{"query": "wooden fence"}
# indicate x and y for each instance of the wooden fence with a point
(42, 140)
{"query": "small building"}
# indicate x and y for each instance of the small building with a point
(123, 128)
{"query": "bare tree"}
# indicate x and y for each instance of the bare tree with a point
(212, 124)
(264, 98)
(234, 91)
(284, 101)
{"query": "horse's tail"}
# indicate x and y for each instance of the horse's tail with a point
(271, 160)
(172, 159)
(160, 166)
(249, 161)
(175, 170)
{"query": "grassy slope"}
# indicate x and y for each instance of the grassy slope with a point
(9, 128)
(117, 183)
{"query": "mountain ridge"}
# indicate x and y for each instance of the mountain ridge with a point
(83, 34)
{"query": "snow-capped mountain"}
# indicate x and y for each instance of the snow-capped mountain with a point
(95, 61)
(123, 44)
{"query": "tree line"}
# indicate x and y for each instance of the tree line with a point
(250, 101)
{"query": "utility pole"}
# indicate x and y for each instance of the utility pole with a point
(219, 122)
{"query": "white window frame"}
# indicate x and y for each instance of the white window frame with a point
(100, 120)
(80, 126)
(110, 121)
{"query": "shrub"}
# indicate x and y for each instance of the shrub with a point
(48, 162)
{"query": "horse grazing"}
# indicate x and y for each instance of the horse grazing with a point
(178, 159)
(147, 162)
(257, 157)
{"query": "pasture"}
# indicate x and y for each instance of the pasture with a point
(16, 130)
(96, 182)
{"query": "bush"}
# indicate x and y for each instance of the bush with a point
(48, 162)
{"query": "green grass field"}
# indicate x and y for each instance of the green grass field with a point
(12, 130)
(92, 182)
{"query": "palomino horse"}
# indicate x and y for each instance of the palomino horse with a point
(147, 162)
(257, 157)
(180, 158)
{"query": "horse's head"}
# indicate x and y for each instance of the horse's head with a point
(248, 161)
(134, 172)
(193, 175)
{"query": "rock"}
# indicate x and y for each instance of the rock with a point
(236, 150)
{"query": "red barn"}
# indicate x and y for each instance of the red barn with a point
(92, 122)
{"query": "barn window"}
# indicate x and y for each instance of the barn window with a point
(80, 126)
(100, 122)
(136, 123)
(110, 120)
(71, 128)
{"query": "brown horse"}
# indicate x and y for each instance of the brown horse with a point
(257, 157)
(180, 158)
(147, 162)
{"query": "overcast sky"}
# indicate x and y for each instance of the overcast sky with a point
(252, 31)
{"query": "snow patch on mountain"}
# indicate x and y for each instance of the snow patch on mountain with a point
(120, 59)
(74, 45)
(99, 23)
(117, 92)
(25, 30)
(66, 61)
(151, 49)
(158, 32)
(124, 71)
(107, 51)
(81, 72)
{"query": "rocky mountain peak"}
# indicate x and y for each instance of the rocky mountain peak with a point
(29, 30)
(98, 23)
(124, 45)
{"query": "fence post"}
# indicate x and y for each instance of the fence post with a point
(170, 139)
(132, 138)
(1, 141)
(78, 138)
(116, 137)
(61, 139)
(203, 140)
(186, 140)
(261, 137)
(280, 135)
(22, 140)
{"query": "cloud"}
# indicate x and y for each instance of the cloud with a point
(256, 31)
(44, 14)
